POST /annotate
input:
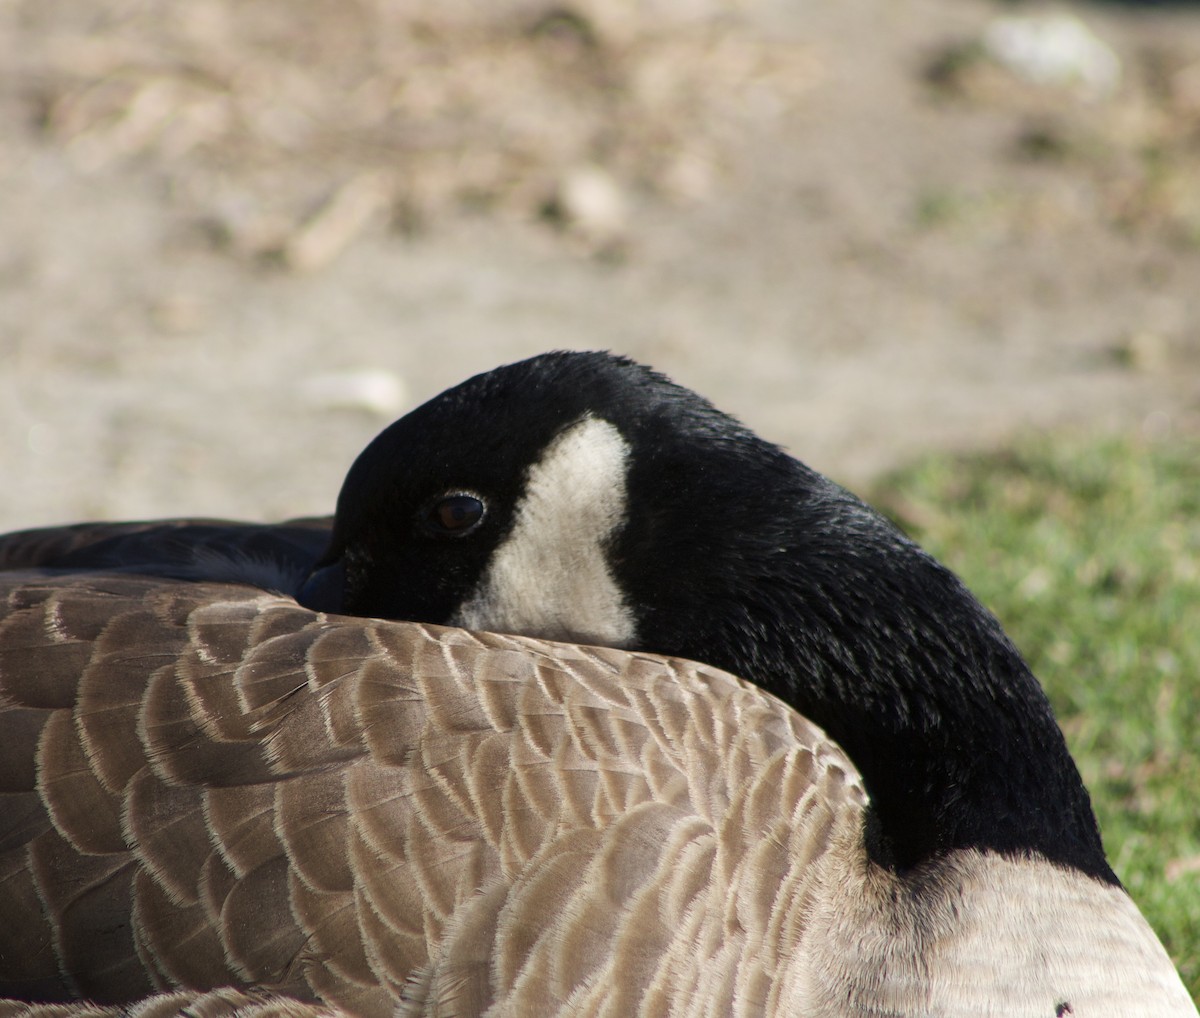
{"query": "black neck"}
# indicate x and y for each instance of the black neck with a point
(870, 638)
(954, 737)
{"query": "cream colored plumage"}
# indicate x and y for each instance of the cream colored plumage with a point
(394, 818)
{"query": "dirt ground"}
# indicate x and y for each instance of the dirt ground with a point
(239, 237)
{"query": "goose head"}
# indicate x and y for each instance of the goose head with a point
(584, 497)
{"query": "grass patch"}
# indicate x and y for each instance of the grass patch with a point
(1090, 555)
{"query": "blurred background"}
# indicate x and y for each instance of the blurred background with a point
(239, 236)
(946, 251)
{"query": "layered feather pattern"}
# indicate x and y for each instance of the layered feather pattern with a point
(206, 786)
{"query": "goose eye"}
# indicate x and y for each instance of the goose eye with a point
(454, 515)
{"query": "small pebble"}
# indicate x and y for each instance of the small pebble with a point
(374, 390)
(1054, 49)
(590, 202)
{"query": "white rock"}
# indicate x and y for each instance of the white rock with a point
(372, 389)
(592, 203)
(1054, 49)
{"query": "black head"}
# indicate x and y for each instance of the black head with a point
(532, 497)
(524, 465)
(581, 496)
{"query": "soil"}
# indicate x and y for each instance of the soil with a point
(238, 238)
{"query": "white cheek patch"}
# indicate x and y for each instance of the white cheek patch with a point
(550, 577)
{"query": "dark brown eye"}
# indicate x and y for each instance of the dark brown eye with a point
(454, 515)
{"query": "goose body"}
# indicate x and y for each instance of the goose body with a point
(216, 796)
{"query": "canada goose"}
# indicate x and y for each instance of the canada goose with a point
(211, 786)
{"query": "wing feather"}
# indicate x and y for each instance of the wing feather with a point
(213, 787)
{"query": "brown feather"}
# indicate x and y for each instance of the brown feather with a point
(300, 812)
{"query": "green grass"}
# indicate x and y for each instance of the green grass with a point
(1089, 552)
